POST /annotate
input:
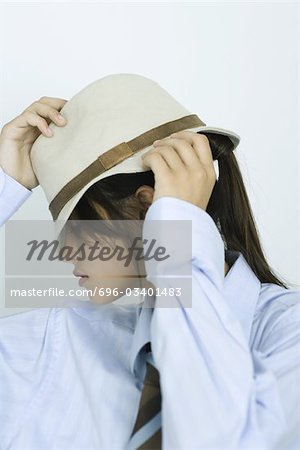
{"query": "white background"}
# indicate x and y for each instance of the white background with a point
(234, 64)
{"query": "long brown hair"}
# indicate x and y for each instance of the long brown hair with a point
(229, 206)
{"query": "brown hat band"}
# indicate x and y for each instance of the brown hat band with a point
(117, 154)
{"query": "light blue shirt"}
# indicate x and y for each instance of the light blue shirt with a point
(71, 378)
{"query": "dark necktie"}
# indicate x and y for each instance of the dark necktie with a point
(146, 432)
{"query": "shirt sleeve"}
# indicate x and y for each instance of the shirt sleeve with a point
(12, 195)
(215, 393)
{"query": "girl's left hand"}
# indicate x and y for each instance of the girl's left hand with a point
(183, 167)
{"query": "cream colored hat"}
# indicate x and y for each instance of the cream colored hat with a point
(112, 122)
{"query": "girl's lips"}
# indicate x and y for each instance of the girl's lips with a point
(82, 276)
(79, 274)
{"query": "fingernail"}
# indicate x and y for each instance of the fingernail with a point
(61, 117)
(49, 131)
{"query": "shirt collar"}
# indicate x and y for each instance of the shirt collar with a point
(241, 291)
(141, 334)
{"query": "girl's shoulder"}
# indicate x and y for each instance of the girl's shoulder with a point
(27, 334)
(277, 312)
(29, 343)
(28, 324)
(275, 297)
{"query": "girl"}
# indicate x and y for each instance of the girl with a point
(74, 378)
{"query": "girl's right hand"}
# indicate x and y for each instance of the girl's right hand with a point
(18, 136)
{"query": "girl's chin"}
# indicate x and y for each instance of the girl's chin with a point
(82, 280)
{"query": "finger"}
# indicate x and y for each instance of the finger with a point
(157, 163)
(47, 111)
(56, 103)
(170, 155)
(184, 150)
(200, 143)
(33, 119)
